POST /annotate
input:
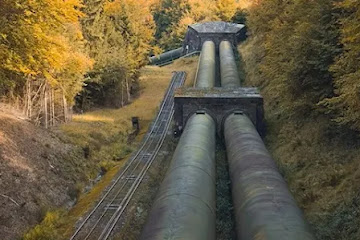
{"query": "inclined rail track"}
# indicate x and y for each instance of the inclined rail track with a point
(101, 221)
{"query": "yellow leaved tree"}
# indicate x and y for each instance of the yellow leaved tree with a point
(40, 43)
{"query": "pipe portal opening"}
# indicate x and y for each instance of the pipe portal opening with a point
(238, 113)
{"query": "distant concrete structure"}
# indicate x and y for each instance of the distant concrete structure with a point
(199, 33)
(219, 103)
(217, 31)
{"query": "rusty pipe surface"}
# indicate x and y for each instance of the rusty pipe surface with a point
(205, 77)
(185, 204)
(228, 67)
(264, 207)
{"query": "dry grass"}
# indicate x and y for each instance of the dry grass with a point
(322, 169)
(153, 83)
(105, 133)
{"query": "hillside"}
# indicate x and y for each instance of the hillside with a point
(37, 172)
(78, 72)
(108, 138)
(319, 160)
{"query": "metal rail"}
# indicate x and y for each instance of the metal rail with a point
(101, 221)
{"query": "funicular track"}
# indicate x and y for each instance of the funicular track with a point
(101, 221)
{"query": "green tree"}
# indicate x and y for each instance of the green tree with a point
(343, 107)
(35, 46)
(172, 17)
(167, 16)
(299, 41)
(119, 35)
(225, 9)
(260, 21)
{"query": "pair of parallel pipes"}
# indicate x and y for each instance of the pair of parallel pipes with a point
(185, 205)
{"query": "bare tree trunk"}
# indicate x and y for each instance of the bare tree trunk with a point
(53, 106)
(122, 94)
(28, 99)
(46, 107)
(65, 106)
(128, 89)
(50, 106)
(40, 104)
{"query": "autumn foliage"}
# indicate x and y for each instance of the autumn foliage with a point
(305, 55)
(173, 16)
(41, 50)
(57, 54)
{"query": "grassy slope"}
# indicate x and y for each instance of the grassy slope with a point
(320, 163)
(37, 172)
(105, 133)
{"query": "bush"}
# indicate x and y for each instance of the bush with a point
(47, 229)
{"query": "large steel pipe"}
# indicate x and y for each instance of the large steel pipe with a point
(166, 56)
(185, 205)
(205, 77)
(228, 68)
(264, 207)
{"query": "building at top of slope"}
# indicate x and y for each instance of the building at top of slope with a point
(217, 31)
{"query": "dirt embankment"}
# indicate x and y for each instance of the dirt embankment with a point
(40, 174)
(37, 171)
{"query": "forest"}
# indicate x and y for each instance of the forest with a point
(62, 55)
(306, 55)
(59, 54)
(58, 57)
